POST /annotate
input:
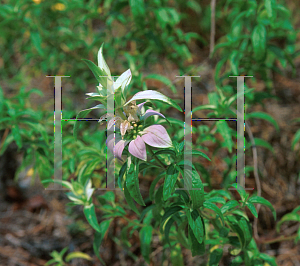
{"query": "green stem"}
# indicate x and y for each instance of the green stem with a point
(156, 158)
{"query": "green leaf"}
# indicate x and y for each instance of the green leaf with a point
(37, 42)
(229, 205)
(195, 222)
(167, 229)
(252, 208)
(102, 64)
(194, 181)
(176, 256)
(130, 200)
(15, 130)
(259, 42)
(270, 260)
(99, 74)
(170, 180)
(162, 79)
(170, 211)
(90, 215)
(244, 195)
(260, 200)
(224, 130)
(215, 257)
(154, 95)
(263, 143)
(217, 199)
(181, 235)
(247, 231)
(153, 184)
(132, 180)
(146, 237)
(288, 217)
(197, 153)
(234, 225)
(264, 116)
(98, 237)
(165, 151)
(204, 107)
(121, 174)
(296, 138)
(268, 6)
(123, 81)
(83, 114)
(196, 247)
(77, 255)
(138, 10)
(215, 208)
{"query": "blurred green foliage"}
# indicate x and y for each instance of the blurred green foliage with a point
(50, 38)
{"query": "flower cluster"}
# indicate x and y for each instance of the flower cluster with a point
(132, 131)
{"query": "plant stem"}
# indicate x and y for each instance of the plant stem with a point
(278, 239)
(156, 158)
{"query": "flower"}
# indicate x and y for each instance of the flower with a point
(154, 135)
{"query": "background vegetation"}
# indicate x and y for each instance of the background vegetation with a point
(158, 40)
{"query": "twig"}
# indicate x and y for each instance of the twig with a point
(212, 27)
(277, 239)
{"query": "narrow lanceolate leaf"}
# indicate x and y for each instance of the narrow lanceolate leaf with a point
(215, 208)
(162, 79)
(263, 143)
(167, 230)
(132, 180)
(90, 215)
(77, 255)
(224, 130)
(169, 213)
(204, 107)
(98, 237)
(123, 81)
(247, 231)
(146, 237)
(261, 200)
(101, 62)
(197, 153)
(99, 74)
(295, 217)
(170, 180)
(264, 116)
(83, 114)
(196, 224)
(251, 207)
(244, 195)
(130, 200)
(196, 247)
(233, 224)
(259, 42)
(154, 95)
(229, 205)
(193, 181)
